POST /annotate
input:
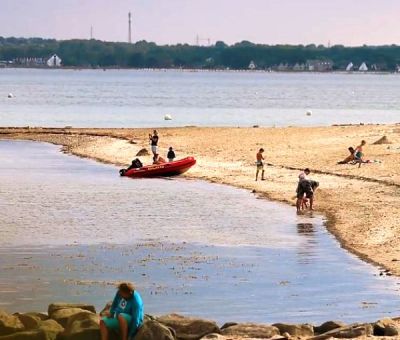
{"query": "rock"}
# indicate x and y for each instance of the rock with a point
(385, 327)
(40, 316)
(9, 324)
(347, 332)
(188, 328)
(383, 140)
(27, 335)
(82, 326)
(30, 322)
(62, 316)
(251, 330)
(51, 326)
(143, 152)
(57, 306)
(304, 330)
(153, 330)
(228, 324)
(328, 326)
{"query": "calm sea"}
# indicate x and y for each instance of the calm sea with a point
(129, 98)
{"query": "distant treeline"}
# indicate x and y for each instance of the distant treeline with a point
(94, 53)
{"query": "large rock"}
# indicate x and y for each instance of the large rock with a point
(82, 326)
(29, 321)
(57, 306)
(347, 332)
(62, 316)
(304, 330)
(52, 328)
(188, 328)
(153, 330)
(251, 330)
(328, 326)
(9, 324)
(27, 335)
(143, 152)
(385, 327)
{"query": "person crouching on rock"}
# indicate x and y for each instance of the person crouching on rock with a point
(125, 315)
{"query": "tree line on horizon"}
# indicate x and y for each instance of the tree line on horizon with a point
(143, 54)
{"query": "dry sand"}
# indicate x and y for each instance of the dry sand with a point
(362, 204)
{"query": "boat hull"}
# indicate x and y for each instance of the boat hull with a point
(161, 170)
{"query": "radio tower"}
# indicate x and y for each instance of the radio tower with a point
(130, 27)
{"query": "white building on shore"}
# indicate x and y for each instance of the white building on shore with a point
(54, 61)
(363, 67)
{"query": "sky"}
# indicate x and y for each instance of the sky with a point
(346, 22)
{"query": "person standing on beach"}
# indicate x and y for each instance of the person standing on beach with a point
(154, 142)
(171, 154)
(260, 164)
(126, 313)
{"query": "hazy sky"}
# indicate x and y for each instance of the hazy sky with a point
(348, 22)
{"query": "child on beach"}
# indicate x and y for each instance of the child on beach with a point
(359, 154)
(126, 313)
(260, 164)
(171, 154)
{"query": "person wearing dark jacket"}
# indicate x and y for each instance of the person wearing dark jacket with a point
(171, 155)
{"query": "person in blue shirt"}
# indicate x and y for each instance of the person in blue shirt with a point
(126, 313)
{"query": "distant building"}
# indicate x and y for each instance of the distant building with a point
(319, 65)
(350, 67)
(283, 67)
(299, 67)
(54, 61)
(363, 67)
(398, 68)
(29, 62)
(252, 65)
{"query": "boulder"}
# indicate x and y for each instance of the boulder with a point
(62, 316)
(385, 327)
(57, 306)
(29, 321)
(51, 327)
(251, 330)
(143, 152)
(347, 332)
(304, 330)
(188, 328)
(153, 330)
(27, 335)
(328, 326)
(81, 326)
(213, 336)
(9, 324)
(39, 316)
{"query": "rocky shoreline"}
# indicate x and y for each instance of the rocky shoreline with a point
(65, 321)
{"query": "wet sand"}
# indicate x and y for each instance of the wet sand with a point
(362, 204)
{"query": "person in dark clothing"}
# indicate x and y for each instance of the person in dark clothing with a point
(154, 142)
(171, 154)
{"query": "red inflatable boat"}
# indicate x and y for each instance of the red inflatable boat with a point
(161, 170)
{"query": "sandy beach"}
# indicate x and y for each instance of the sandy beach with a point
(361, 204)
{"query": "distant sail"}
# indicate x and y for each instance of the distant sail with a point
(363, 67)
(350, 67)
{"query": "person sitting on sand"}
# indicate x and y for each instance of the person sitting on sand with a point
(349, 158)
(157, 159)
(154, 142)
(260, 164)
(171, 154)
(126, 313)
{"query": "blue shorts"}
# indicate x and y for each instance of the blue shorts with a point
(113, 323)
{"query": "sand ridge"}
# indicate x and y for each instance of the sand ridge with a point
(362, 204)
